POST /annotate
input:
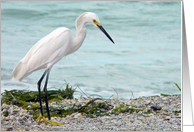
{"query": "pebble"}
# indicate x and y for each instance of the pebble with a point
(162, 119)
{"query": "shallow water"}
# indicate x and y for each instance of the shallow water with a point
(145, 59)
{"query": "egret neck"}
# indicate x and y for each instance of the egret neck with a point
(80, 33)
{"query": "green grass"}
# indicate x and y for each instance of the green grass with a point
(169, 94)
(18, 97)
(30, 100)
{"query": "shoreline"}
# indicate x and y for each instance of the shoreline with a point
(155, 113)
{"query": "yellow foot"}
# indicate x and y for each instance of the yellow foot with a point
(47, 121)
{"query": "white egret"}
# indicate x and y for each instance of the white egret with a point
(52, 48)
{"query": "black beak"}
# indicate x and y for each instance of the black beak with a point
(104, 31)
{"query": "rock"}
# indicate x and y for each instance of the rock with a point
(166, 118)
(155, 108)
(9, 129)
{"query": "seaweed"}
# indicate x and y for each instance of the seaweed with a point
(5, 113)
(126, 108)
(29, 100)
(92, 108)
(18, 97)
(169, 94)
(177, 86)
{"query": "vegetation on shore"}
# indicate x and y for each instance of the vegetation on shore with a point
(94, 107)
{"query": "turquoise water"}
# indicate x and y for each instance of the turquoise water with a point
(145, 59)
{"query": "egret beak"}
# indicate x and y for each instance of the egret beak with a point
(104, 31)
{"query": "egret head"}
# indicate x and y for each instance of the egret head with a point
(94, 20)
(96, 23)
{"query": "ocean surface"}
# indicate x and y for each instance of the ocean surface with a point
(144, 61)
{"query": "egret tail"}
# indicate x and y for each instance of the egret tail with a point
(19, 73)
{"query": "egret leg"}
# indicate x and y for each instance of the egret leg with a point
(41, 117)
(45, 95)
(39, 91)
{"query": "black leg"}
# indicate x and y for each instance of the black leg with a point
(45, 95)
(39, 91)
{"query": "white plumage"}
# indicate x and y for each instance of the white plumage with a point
(45, 53)
(52, 48)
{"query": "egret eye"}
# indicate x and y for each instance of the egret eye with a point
(96, 22)
(36, 58)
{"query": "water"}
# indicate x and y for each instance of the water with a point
(145, 60)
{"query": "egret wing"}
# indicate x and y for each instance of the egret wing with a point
(44, 53)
